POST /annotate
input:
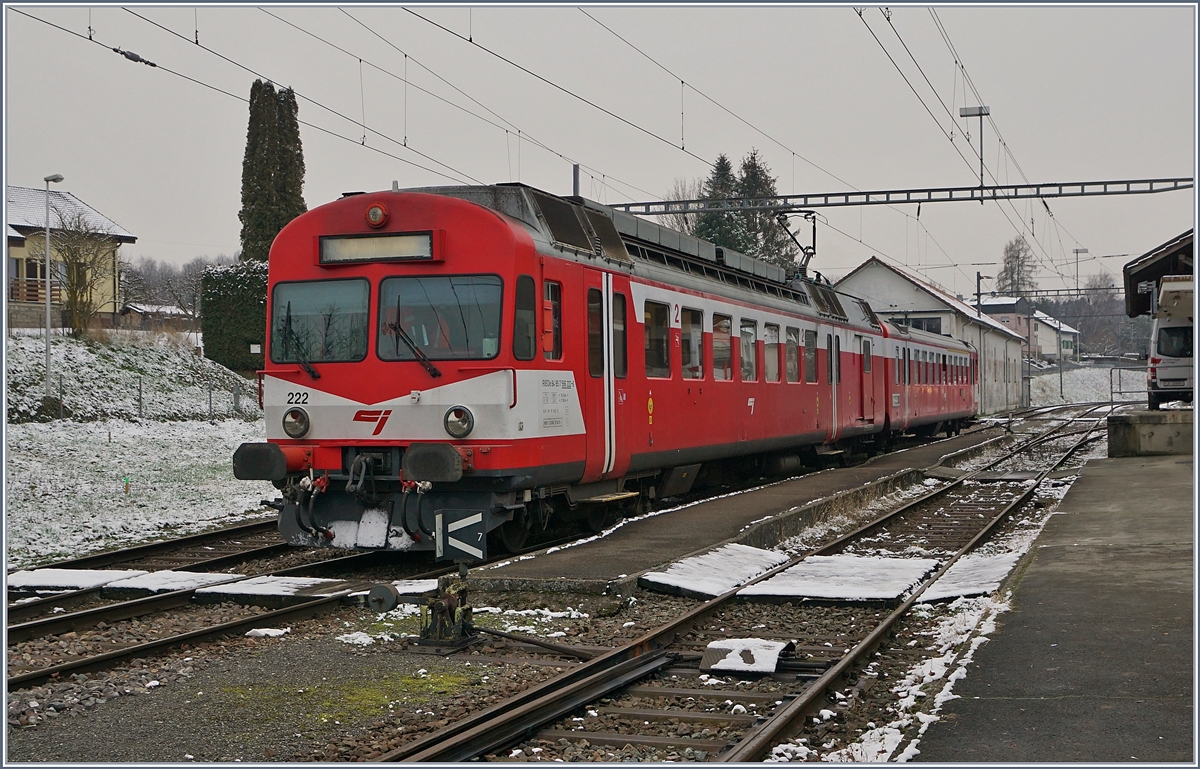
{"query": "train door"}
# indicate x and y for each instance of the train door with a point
(599, 385)
(833, 375)
(866, 408)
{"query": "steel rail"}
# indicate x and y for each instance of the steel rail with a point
(111, 557)
(785, 722)
(451, 743)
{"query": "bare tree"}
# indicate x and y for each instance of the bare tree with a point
(1016, 275)
(182, 288)
(684, 189)
(87, 254)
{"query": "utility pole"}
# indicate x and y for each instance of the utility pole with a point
(980, 112)
(978, 293)
(1078, 251)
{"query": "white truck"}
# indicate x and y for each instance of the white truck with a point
(1171, 374)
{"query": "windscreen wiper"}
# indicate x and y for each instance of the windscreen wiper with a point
(422, 358)
(291, 338)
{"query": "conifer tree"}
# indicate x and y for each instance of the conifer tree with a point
(721, 227)
(272, 169)
(764, 238)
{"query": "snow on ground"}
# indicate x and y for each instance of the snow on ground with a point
(66, 484)
(100, 380)
(1087, 384)
(848, 577)
(717, 571)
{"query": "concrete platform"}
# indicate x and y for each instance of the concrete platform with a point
(758, 518)
(1144, 433)
(1095, 661)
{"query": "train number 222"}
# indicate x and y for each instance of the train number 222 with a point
(297, 398)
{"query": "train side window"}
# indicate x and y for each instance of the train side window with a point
(792, 353)
(866, 356)
(553, 298)
(897, 367)
(595, 316)
(525, 319)
(837, 359)
(810, 356)
(749, 350)
(691, 357)
(829, 358)
(771, 352)
(722, 347)
(658, 335)
(620, 343)
(907, 366)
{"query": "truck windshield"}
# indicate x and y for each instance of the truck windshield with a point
(1175, 342)
(319, 321)
(448, 318)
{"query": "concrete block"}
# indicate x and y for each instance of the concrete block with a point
(1145, 433)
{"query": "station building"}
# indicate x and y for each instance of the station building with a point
(1045, 338)
(906, 299)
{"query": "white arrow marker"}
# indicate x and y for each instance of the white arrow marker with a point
(458, 543)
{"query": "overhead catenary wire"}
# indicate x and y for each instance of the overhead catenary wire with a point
(308, 99)
(503, 124)
(244, 99)
(564, 90)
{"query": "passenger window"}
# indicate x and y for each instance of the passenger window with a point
(771, 352)
(722, 347)
(525, 319)
(553, 297)
(867, 356)
(749, 350)
(595, 316)
(691, 356)
(658, 334)
(810, 356)
(792, 354)
(620, 344)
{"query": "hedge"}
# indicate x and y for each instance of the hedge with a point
(233, 313)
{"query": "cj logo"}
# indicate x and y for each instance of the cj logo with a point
(380, 418)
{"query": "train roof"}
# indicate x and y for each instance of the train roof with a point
(575, 227)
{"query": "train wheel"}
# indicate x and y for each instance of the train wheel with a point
(514, 533)
(600, 517)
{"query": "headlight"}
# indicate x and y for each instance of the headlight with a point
(459, 422)
(295, 422)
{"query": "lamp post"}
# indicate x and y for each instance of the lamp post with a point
(56, 178)
(977, 112)
(1078, 251)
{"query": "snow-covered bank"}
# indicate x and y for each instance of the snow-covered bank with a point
(66, 493)
(101, 380)
(1088, 384)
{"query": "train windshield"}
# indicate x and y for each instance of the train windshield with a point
(447, 317)
(318, 321)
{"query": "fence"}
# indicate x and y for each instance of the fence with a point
(1119, 383)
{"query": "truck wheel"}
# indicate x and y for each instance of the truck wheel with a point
(1154, 402)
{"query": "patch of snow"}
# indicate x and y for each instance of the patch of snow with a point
(267, 632)
(69, 579)
(847, 577)
(973, 574)
(356, 639)
(747, 654)
(717, 571)
(167, 581)
(281, 586)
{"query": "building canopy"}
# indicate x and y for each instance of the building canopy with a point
(1171, 258)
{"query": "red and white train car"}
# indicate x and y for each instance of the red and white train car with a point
(445, 362)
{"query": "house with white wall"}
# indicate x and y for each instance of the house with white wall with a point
(906, 299)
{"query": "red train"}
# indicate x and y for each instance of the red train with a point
(447, 362)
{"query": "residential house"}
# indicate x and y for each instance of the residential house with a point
(25, 210)
(1043, 336)
(906, 299)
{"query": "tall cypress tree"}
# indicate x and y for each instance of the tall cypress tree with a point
(272, 169)
(289, 170)
(721, 227)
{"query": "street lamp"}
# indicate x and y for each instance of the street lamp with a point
(56, 178)
(977, 112)
(1078, 251)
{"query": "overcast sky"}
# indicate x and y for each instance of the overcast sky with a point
(1076, 93)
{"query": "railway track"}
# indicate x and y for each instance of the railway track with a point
(652, 692)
